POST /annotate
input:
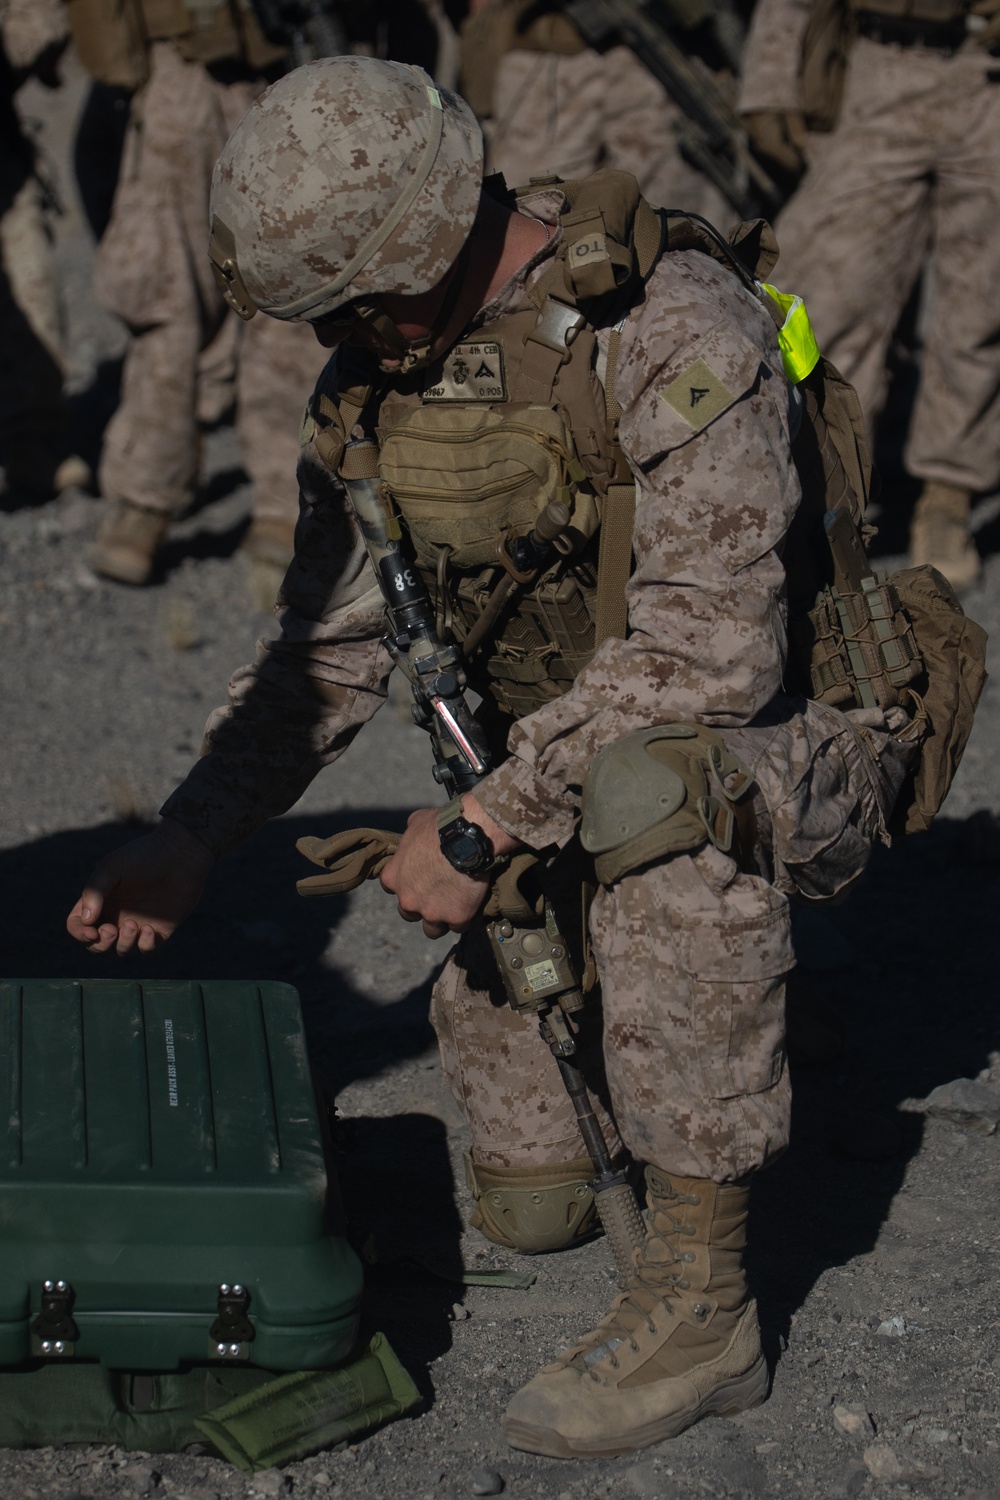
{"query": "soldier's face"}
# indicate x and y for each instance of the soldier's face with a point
(361, 334)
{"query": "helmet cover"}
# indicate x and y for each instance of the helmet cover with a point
(348, 177)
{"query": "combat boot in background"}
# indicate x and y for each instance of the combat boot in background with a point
(127, 542)
(940, 534)
(268, 548)
(680, 1343)
(33, 475)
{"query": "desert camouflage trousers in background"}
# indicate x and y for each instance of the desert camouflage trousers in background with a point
(912, 170)
(153, 271)
(572, 114)
(692, 955)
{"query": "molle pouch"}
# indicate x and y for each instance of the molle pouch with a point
(859, 646)
(465, 477)
(165, 1198)
(110, 38)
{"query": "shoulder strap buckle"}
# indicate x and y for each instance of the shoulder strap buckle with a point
(557, 326)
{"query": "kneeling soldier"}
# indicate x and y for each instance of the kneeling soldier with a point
(503, 353)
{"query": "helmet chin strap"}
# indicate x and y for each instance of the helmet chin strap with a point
(414, 354)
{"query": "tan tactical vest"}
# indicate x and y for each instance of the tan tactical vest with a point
(516, 416)
(112, 37)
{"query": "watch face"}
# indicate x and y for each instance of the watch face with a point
(465, 846)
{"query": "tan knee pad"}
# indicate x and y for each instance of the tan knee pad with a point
(533, 1209)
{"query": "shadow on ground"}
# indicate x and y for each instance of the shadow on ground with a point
(908, 963)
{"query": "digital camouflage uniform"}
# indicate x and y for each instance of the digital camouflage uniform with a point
(31, 371)
(152, 270)
(568, 115)
(692, 953)
(909, 177)
(692, 950)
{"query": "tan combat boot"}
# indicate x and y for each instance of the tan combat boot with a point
(940, 536)
(127, 543)
(682, 1342)
(268, 547)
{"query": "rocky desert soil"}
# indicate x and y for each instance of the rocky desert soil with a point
(876, 1239)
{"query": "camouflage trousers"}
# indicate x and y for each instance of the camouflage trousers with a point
(571, 115)
(153, 271)
(692, 955)
(910, 179)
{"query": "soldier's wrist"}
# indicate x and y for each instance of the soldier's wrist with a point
(502, 841)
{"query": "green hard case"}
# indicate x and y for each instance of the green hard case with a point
(163, 1187)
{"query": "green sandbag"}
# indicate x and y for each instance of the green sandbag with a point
(296, 1415)
(85, 1403)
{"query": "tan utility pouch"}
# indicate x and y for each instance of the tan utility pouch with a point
(464, 478)
(110, 40)
(953, 649)
(209, 31)
(859, 645)
(663, 791)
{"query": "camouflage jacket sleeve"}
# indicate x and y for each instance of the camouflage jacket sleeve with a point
(29, 27)
(297, 707)
(772, 56)
(705, 431)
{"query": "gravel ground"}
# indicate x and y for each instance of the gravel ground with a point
(880, 1214)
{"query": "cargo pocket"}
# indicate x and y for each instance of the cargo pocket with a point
(736, 971)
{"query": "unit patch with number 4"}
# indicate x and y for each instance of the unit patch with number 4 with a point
(471, 372)
(697, 395)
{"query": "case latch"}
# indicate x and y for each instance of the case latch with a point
(232, 1333)
(54, 1332)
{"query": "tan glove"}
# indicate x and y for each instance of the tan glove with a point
(778, 137)
(349, 858)
(359, 854)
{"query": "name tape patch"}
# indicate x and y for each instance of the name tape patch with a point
(697, 395)
(471, 372)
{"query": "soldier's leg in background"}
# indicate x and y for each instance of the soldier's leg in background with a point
(853, 236)
(216, 380)
(527, 1168)
(150, 453)
(152, 271)
(954, 439)
(548, 115)
(640, 137)
(278, 366)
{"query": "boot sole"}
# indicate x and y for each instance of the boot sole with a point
(741, 1393)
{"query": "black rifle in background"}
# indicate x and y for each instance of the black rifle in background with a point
(710, 135)
(307, 28)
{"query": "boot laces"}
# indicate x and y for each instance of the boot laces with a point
(651, 1288)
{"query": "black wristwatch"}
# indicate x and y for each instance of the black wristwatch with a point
(465, 845)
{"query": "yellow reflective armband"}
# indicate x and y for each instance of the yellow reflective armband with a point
(796, 340)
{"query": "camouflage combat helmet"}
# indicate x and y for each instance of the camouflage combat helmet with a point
(349, 177)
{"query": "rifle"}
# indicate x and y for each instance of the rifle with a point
(711, 135)
(532, 955)
(307, 29)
